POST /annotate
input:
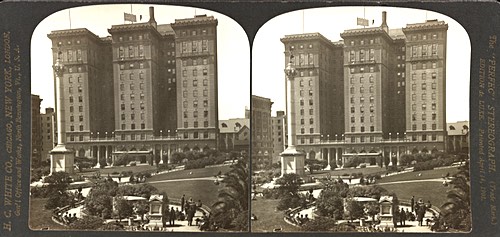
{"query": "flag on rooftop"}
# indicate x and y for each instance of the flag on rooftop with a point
(129, 17)
(362, 22)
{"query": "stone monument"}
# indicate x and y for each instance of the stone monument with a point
(292, 160)
(387, 207)
(62, 158)
(155, 210)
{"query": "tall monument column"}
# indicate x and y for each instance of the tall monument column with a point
(61, 157)
(292, 160)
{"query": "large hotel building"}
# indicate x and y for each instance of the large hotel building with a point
(147, 89)
(377, 92)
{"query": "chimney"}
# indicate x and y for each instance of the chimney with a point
(384, 22)
(152, 20)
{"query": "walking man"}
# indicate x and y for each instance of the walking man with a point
(402, 217)
(412, 203)
(183, 200)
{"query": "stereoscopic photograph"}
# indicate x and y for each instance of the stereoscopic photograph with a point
(139, 120)
(360, 122)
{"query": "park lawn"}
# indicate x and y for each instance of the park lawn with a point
(39, 217)
(427, 174)
(268, 218)
(428, 191)
(204, 190)
(195, 173)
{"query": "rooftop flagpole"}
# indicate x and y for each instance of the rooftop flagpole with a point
(69, 15)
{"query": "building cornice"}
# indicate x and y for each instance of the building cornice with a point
(197, 20)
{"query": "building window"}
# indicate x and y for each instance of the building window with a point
(424, 86)
(352, 100)
(353, 110)
(433, 126)
(414, 127)
(361, 90)
(372, 109)
(195, 124)
(195, 82)
(424, 127)
(362, 119)
(352, 80)
(433, 116)
(353, 120)
(302, 130)
(352, 90)
(185, 124)
(424, 137)
(371, 89)
(353, 129)
(195, 104)
(424, 96)
(311, 121)
(301, 121)
(424, 76)
(80, 118)
(372, 99)
(80, 108)
(205, 114)
(413, 107)
(123, 116)
(310, 102)
(424, 116)
(433, 106)
(434, 137)
(372, 118)
(433, 96)
(414, 117)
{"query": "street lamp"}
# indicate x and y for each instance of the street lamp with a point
(113, 135)
(91, 135)
(336, 137)
(328, 137)
(390, 137)
(161, 134)
(168, 133)
(397, 136)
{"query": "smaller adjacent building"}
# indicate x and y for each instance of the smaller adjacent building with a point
(278, 133)
(234, 134)
(48, 132)
(36, 130)
(458, 137)
(262, 145)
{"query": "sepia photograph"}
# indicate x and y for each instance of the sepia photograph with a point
(140, 120)
(360, 122)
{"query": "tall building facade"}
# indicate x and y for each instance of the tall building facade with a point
(36, 130)
(49, 138)
(262, 145)
(146, 89)
(319, 85)
(393, 90)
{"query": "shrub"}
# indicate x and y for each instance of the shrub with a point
(133, 164)
(362, 166)
(115, 172)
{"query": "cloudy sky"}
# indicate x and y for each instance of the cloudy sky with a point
(268, 52)
(233, 48)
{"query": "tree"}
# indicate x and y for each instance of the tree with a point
(233, 198)
(141, 208)
(354, 209)
(123, 208)
(58, 185)
(99, 201)
(87, 223)
(372, 209)
(456, 210)
(142, 190)
(330, 200)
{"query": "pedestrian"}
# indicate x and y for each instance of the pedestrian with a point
(402, 217)
(172, 216)
(183, 200)
(412, 203)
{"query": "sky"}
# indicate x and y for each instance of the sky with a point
(233, 48)
(268, 60)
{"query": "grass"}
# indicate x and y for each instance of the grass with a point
(427, 174)
(204, 190)
(196, 173)
(428, 191)
(268, 218)
(41, 217)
